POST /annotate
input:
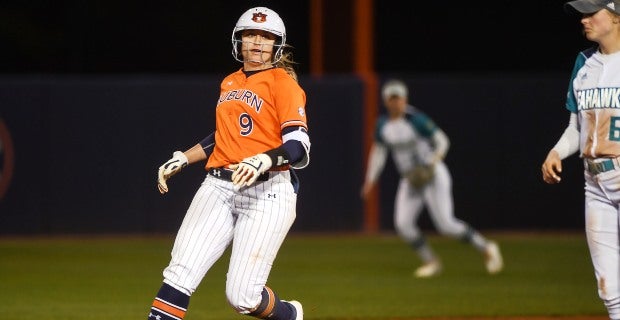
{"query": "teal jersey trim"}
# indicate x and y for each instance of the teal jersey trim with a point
(580, 61)
(422, 123)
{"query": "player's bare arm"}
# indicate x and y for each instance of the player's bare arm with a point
(180, 160)
(195, 154)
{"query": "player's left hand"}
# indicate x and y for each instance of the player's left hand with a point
(247, 171)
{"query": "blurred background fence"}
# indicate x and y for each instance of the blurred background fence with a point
(85, 151)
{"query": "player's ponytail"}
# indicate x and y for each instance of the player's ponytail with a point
(287, 62)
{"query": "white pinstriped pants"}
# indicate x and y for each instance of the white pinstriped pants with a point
(255, 219)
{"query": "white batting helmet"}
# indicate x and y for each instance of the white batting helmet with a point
(259, 18)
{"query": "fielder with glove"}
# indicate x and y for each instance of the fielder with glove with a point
(248, 197)
(418, 148)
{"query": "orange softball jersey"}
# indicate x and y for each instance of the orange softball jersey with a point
(251, 113)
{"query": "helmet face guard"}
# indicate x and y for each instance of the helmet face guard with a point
(259, 18)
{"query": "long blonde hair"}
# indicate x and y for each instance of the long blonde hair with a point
(287, 62)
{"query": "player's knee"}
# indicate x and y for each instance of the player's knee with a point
(442, 230)
(406, 229)
(399, 226)
(453, 230)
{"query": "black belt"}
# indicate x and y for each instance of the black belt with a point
(226, 174)
(601, 166)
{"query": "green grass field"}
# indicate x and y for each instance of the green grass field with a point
(336, 277)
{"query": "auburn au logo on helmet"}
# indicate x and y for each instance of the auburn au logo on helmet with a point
(259, 17)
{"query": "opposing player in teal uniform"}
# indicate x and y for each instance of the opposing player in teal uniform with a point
(416, 143)
(593, 130)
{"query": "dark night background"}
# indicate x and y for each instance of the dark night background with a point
(193, 37)
(97, 94)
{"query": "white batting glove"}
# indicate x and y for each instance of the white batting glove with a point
(247, 171)
(170, 168)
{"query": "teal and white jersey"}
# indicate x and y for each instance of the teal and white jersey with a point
(408, 138)
(594, 94)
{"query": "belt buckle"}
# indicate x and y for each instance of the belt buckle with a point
(593, 167)
(599, 167)
(603, 166)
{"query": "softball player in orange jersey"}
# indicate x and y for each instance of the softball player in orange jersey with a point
(249, 195)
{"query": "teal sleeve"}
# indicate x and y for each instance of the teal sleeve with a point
(580, 61)
(422, 123)
(378, 126)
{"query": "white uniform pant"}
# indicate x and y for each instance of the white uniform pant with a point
(255, 219)
(437, 196)
(602, 203)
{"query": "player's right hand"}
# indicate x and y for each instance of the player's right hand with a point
(247, 171)
(552, 167)
(170, 168)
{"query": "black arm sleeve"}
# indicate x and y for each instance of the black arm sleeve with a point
(208, 143)
(295, 150)
(290, 152)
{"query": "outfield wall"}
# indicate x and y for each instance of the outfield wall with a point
(85, 151)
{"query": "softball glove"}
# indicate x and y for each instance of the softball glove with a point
(420, 175)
